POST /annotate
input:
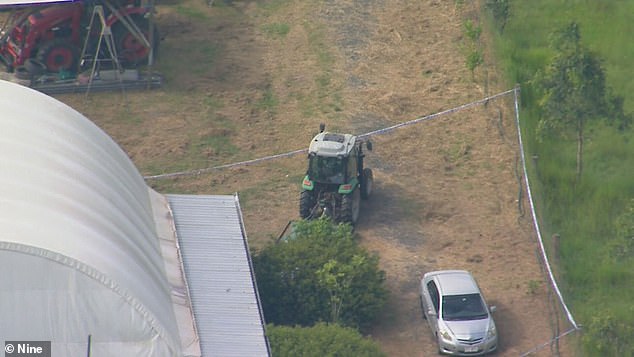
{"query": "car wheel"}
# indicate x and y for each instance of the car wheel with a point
(440, 352)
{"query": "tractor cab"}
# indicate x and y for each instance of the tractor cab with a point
(329, 158)
(335, 180)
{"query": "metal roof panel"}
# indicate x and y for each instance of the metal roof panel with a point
(217, 266)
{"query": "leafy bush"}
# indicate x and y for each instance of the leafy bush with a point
(321, 274)
(609, 335)
(623, 243)
(320, 340)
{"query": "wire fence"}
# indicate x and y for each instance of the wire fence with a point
(300, 151)
(515, 92)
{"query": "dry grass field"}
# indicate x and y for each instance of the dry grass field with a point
(247, 79)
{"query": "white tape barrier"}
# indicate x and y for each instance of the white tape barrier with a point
(532, 205)
(546, 344)
(433, 116)
(362, 136)
(226, 166)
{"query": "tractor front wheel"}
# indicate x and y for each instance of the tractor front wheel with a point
(59, 55)
(350, 206)
(306, 204)
(367, 183)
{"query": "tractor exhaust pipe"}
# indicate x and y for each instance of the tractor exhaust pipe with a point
(322, 127)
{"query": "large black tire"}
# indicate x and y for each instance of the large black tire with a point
(367, 183)
(306, 204)
(130, 50)
(34, 67)
(59, 55)
(350, 207)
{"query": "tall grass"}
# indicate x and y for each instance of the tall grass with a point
(583, 212)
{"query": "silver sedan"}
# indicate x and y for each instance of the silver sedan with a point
(457, 313)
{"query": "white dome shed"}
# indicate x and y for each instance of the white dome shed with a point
(81, 252)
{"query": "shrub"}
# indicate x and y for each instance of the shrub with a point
(321, 274)
(320, 340)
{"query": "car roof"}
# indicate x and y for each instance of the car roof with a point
(454, 282)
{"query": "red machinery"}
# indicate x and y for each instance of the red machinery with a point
(61, 36)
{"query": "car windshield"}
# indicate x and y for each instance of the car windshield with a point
(327, 169)
(463, 307)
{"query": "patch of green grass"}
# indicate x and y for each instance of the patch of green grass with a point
(268, 102)
(272, 6)
(261, 191)
(456, 153)
(582, 211)
(306, 104)
(276, 29)
(200, 56)
(337, 102)
(526, 41)
(220, 144)
(409, 206)
(207, 53)
(191, 13)
(212, 104)
(124, 114)
(533, 287)
(327, 99)
(323, 80)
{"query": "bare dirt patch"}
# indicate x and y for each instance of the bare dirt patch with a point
(447, 190)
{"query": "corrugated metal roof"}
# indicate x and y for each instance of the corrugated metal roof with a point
(217, 268)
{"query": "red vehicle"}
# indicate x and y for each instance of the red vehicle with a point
(55, 36)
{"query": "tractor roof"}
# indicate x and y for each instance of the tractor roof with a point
(332, 144)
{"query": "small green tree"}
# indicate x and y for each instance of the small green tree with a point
(320, 340)
(337, 279)
(609, 335)
(321, 274)
(574, 91)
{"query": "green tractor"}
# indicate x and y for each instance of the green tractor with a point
(336, 180)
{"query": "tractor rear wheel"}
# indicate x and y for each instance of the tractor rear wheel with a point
(306, 204)
(59, 55)
(350, 206)
(130, 50)
(367, 183)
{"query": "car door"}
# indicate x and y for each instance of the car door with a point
(434, 309)
(431, 304)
